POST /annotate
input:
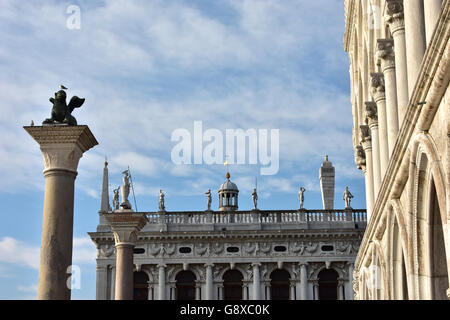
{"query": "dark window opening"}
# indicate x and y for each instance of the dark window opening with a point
(185, 250)
(232, 249)
(232, 285)
(185, 287)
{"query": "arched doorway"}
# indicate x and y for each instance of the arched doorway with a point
(185, 287)
(140, 280)
(279, 284)
(438, 259)
(328, 284)
(232, 285)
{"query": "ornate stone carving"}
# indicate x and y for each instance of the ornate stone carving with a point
(265, 247)
(371, 113)
(249, 248)
(217, 247)
(201, 248)
(360, 157)
(385, 54)
(365, 133)
(298, 247)
(394, 15)
(105, 250)
(377, 87)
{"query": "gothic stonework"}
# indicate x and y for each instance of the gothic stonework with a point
(404, 253)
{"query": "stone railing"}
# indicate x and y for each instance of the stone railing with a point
(259, 216)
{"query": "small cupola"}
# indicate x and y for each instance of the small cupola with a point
(228, 195)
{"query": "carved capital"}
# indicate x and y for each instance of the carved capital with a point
(394, 15)
(360, 157)
(377, 87)
(385, 54)
(366, 139)
(125, 226)
(62, 146)
(371, 113)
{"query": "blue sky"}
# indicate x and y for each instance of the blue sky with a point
(147, 68)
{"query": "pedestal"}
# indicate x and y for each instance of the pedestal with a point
(125, 226)
(62, 146)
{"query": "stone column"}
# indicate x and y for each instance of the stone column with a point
(245, 291)
(349, 294)
(303, 281)
(366, 142)
(340, 289)
(62, 147)
(394, 17)
(371, 114)
(316, 289)
(113, 282)
(268, 291)
(198, 287)
(101, 283)
(125, 226)
(292, 290)
(378, 94)
(256, 282)
(384, 92)
(221, 289)
(161, 282)
(415, 39)
(209, 282)
(432, 9)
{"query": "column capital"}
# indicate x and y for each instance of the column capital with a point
(377, 87)
(256, 264)
(371, 114)
(385, 54)
(360, 157)
(161, 265)
(366, 139)
(208, 264)
(125, 226)
(62, 146)
(394, 15)
(303, 264)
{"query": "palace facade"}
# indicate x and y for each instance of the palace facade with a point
(399, 55)
(231, 254)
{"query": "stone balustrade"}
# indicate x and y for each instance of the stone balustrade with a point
(260, 216)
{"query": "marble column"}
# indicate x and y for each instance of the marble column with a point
(378, 94)
(209, 295)
(198, 291)
(415, 39)
(366, 142)
(125, 226)
(303, 281)
(340, 289)
(245, 291)
(349, 293)
(268, 290)
(62, 147)
(316, 289)
(256, 282)
(113, 282)
(101, 283)
(372, 117)
(292, 290)
(395, 18)
(384, 92)
(221, 291)
(161, 282)
(432, 9)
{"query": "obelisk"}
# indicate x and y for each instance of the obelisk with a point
(62, 146)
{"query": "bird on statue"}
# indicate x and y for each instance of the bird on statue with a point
(62, 87)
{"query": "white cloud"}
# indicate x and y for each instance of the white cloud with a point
(19, 253)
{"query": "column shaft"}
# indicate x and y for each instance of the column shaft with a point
(303, 282)
(415, 39)
(124, 272)
(161, 282)
(376, 159)
(256, 282)
(209, 283)
(432, 8)
(57, 234)
(392, 109)
(349, 293)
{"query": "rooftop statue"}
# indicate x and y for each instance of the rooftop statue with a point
(62, 112)
(208, 194)
(301, 196)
